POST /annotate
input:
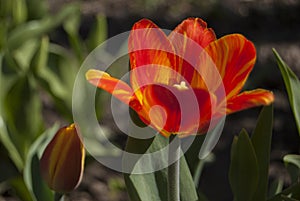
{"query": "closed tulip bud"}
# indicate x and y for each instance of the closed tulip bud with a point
(62, 162)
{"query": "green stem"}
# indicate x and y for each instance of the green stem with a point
(174, 170)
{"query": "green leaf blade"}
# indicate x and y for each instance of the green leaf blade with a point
(32, 176)
(243, 172)
(292, 84)
(37, 28)
(293, 159)
(293, 192)
(22, 114)
(261, 140)
(292, 163)
(153, 186)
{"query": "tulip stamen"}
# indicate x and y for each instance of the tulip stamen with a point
(182, 86)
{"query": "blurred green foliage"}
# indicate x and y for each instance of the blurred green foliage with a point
(34, 70)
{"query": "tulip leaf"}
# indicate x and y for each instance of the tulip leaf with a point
(98, 34)
(37, 28)
(292, 85)
(37, 8)
(145, 187)
(261, 141)
(292, 193)
(199, 153)
(32, 176)
(187, 187)
(3, 32)
(57, 78)
(292, 162)
(40, 57)
(9, 145)
(21, 189)
(192, 153)
(275, 187)
(153, 185)
(22, 107)
(24, 54)
(293, 159)
(243, 172)
(4, 135)
(19, 11)
(71, 26)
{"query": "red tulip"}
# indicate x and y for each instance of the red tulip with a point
(181, 83)
(63, 160)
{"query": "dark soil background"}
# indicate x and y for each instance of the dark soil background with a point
(268, 23)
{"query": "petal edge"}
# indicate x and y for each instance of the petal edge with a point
(249, 99)
(116, 87)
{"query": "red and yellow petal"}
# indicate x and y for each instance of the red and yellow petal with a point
(249, 99)
(116, 87)
(170, 110)
(194, 29)
(149, 48)
(234, 57)
(63, 160)
(189, 38)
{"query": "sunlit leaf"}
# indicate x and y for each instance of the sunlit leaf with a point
(292, 85)
(293, 159)
(292, 162)
(22, 107)
(32, 176)
(72, 25)
(57, 78)
(37, 28)
(153, 186)
(209, 159)
(98, 34)
(19, 11)
(292, 193)
(52, 84)
(10, 146)
(40, 58)
(243, 172)
(20, 189)
(145, 187)
(4, 136)
(275, 187)
(261, 141)
(24, 54)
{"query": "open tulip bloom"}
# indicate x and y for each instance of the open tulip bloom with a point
(183, 82)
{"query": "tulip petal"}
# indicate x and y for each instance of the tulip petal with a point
(195, 29)
(234, 57)
(150, 49)
(189, 38)
(249, 99)
(170, 110)
(116, 87)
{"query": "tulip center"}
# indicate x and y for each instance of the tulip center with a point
(182, 86)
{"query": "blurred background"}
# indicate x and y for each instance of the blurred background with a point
(44, 42)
